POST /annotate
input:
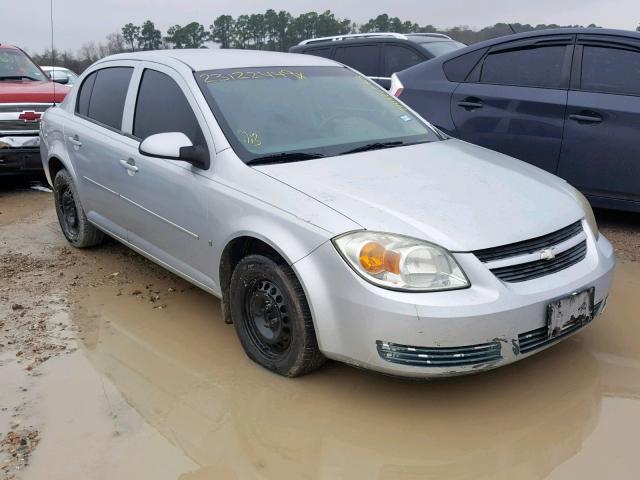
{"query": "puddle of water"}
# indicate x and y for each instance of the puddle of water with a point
(572, 410)
(88, 430)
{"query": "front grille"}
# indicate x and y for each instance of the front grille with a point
(529, 246)
(539, 268)
(439, 356)
(538, 338)
(9, 121)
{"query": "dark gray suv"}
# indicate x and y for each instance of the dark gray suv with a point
(378, 55)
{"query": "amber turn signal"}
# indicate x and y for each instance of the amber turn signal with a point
(375, 259)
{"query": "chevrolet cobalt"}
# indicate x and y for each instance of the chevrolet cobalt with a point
(331, 220)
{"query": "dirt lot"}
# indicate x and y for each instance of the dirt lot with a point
(111, 367)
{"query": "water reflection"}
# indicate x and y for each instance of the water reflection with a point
(184, 371)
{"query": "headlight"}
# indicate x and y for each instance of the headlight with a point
(400, 263)
(588, 211)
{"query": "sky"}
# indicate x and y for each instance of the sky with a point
(26, 22)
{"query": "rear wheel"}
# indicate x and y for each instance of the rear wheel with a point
(73, 221)
(272, 318)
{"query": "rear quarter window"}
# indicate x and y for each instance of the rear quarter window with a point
(457, 69)
(82, 106)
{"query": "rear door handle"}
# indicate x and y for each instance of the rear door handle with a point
(586, 117)
(75, 140)
(129, 164)
(471, 103)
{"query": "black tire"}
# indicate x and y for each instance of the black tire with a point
(271, 317)
(73, 221)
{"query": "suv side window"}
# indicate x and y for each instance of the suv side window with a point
(610, 70)
(363, 58)
(324, 52)
(109, 92)
(162, 107)
(526, 67)
(399, 57)
(82, 106)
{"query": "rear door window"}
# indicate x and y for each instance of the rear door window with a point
(526, 67)
(610, 70)
(108, 95)
(162, 107)
(399, 57)
(363, 58)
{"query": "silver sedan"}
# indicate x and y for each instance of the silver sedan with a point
(331, 220)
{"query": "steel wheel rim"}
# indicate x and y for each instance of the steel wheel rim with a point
(267, 319)
(69, 212)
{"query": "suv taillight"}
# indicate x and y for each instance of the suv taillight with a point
(396, 86)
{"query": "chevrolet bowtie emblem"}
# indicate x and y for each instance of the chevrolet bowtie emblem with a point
(547, 254)
(28, 117)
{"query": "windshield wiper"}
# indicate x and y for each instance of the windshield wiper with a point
(284, 158)
(374, 146)
(18, 77)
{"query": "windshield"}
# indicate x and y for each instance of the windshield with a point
(440, 48)
(15, 65)
(314, 111)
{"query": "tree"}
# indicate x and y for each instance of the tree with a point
(279, 30)
(150, 38)
(241, 33)
(131, 34)
(257, 30)
(192, 35)
(222, 30)
(115, 43)
(328, 25)
(174, 37)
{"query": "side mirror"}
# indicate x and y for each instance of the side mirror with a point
(59, 77)
(174, 146)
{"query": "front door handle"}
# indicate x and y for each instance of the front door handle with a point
(130, 165)
(471, 103)
(586, 117)
(75, 141)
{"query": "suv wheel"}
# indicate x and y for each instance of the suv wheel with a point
(271, 317)
(73, 221)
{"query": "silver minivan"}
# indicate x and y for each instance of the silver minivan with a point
(331, 220)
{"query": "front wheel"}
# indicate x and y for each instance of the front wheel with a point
(272, 318)
(73, 221)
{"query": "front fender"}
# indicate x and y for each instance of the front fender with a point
(292, 240)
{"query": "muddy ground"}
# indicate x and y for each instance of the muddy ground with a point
(110, 367)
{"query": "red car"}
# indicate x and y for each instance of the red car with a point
(25, 93)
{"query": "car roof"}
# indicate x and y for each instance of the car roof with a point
(208, 59)
(8, 47)
(559, 31)
(525, 35)
(413, 40)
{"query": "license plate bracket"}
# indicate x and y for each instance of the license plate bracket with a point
(575, 309)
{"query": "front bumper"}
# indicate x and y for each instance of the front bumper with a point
(359, 323)
(20, 154)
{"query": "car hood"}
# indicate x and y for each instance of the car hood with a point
(28, 91)
(457, 195)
